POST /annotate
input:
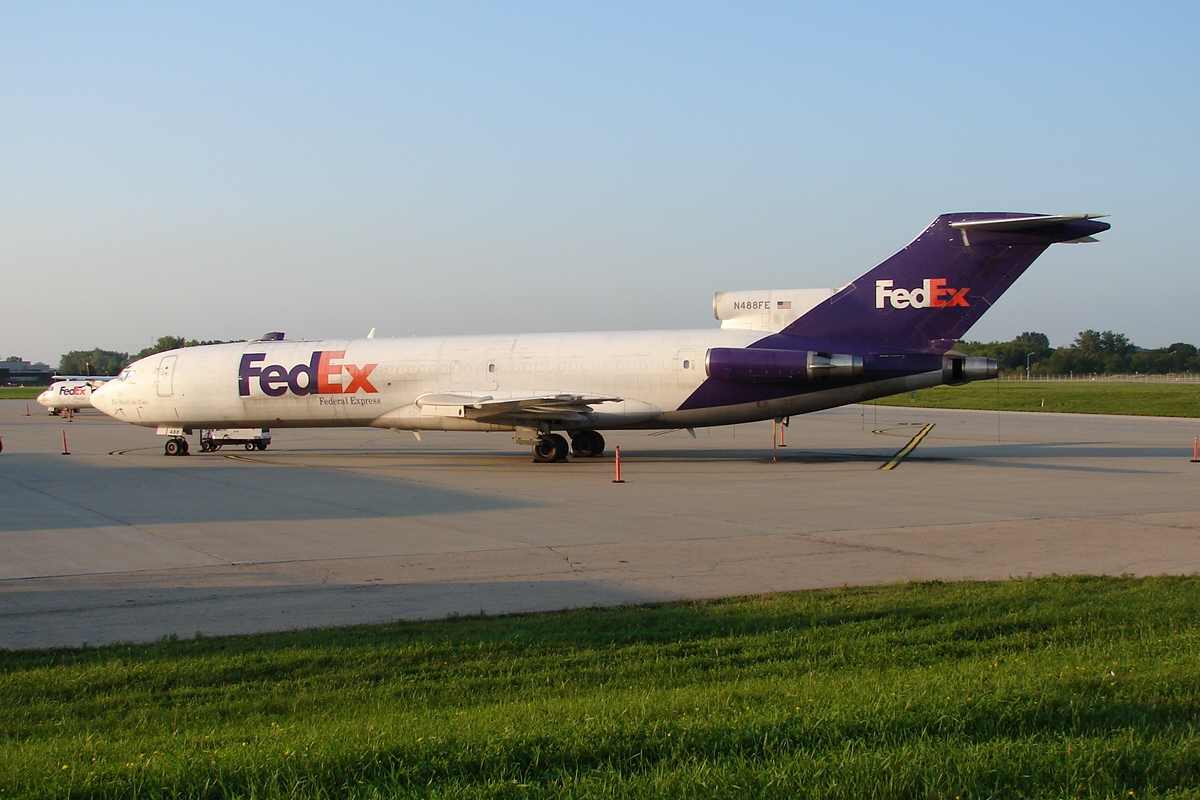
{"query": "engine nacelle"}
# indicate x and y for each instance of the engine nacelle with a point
(958, 369)
(767, 310)
(754, 365)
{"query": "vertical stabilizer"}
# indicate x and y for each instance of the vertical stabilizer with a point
(929, 294)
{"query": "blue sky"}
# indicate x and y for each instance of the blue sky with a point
(219, 170)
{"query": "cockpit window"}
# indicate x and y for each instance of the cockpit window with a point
(125, 375)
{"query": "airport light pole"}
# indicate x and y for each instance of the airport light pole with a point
(1027, 357)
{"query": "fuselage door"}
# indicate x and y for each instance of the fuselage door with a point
(686, 366)
(166, 374)
(456, 372)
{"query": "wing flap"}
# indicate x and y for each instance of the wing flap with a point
(562, 406)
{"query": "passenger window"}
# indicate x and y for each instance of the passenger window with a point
(687, 364)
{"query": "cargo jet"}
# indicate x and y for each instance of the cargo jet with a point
(777, 354)
(72, 393)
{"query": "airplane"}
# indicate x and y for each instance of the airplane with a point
(777, 354)
(69, 392)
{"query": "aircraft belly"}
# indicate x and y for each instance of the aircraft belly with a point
(795, 405)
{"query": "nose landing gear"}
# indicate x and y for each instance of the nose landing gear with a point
(176, 446)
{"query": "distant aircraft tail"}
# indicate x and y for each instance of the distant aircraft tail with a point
(926, 296)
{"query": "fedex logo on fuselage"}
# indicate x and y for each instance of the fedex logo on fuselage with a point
(73, 391)
(275, 380)
(933, 293)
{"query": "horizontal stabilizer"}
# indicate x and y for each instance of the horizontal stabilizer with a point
(1062, 228)
(1021, 223)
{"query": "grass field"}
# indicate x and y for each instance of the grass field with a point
(20, 392)
(1032, 688)
(1145, 399)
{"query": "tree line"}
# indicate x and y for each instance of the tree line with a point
(1099, 352)
(110, 362)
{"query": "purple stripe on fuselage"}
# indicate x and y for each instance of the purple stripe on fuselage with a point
(877, 365)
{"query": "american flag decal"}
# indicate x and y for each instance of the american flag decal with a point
(784, 304)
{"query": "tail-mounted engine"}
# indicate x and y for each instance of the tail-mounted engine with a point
(754, 365)
(958, 369)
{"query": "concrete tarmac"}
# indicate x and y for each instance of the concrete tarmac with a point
(117, 542)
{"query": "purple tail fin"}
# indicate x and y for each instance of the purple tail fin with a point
(926, 296)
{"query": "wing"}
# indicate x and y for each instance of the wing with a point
(488, 408)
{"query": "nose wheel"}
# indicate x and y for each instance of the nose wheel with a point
(176, 446)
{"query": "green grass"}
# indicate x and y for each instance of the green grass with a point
(1145, 399)
(20, 392)
(1033, 688)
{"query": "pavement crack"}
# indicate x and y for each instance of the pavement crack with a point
(574, 565)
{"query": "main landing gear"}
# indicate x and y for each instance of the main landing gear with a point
(549, 447)
(587, 444)
(176, 446)
(552, 447)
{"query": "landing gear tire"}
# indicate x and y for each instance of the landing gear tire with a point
(176, 446)
(587, 444)
(250, 446)
(549, 448)
(261, 445)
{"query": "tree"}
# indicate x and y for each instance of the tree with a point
(176, 342)
(1037, 342)
(1030, 346)
(14, 358)
(1092, 351)
(92, 362)
(1115, 343)
(163, 343)
(1087, 342)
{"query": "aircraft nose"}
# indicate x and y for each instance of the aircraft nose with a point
(102, 396)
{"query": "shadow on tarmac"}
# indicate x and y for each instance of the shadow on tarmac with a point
(42, 492)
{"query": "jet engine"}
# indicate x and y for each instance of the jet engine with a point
(959, 369)
(755, 365)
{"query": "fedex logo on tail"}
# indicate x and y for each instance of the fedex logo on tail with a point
(933, 293)
(275, 380)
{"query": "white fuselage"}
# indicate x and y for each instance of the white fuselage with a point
(649, 373)
(63, 395)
